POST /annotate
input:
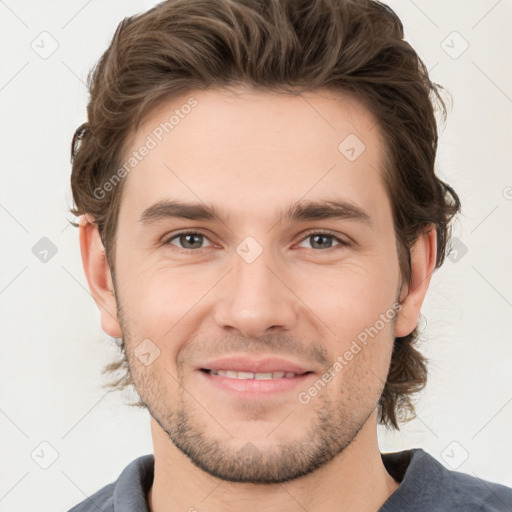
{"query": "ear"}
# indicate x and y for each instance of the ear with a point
(98, 275)
(423, 261)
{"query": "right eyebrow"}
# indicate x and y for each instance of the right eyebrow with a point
(178, 209)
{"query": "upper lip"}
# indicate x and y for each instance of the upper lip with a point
(251, 364)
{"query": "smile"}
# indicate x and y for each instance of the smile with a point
(232, 374)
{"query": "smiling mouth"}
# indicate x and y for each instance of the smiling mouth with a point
(231, 374)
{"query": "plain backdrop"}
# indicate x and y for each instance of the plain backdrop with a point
(62, 437)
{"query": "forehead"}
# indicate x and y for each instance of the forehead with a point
(254, 149)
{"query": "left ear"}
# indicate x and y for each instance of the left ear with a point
(423, 262)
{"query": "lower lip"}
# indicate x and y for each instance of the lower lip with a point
(253, 388)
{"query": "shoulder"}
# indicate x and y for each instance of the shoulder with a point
(475, 493)
(127, 494)
(428, 485)
(100, 501)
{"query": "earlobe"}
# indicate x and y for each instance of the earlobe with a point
(97, 272)
(423, 261)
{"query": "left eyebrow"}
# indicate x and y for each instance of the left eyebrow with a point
(327, 209)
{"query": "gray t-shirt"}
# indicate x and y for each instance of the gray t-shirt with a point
(425, 485)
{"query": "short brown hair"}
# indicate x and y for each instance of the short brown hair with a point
(353, 46)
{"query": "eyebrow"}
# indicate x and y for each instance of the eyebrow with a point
(299, 211)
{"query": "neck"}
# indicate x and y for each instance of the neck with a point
(354, 480)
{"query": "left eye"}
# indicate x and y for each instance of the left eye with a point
(192, 240)
(318, 239)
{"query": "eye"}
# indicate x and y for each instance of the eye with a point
(323, 240)
(192, 240)
(188, 240)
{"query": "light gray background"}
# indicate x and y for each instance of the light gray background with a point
(52, 345)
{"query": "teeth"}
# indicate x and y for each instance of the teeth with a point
(241, 375)
(250, 375)
(262, 376)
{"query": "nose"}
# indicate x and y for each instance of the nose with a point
(256, 298)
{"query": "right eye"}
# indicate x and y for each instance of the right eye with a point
(188, 240)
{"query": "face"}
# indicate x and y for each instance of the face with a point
(258, 299)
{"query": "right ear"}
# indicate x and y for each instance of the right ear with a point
(97, 272)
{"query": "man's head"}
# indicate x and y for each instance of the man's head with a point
(251, 110)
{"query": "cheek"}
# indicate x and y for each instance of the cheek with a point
(353, 296)
(157, 297)
(362, 364)
(357, 303)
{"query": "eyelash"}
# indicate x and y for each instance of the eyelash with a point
(342, 243)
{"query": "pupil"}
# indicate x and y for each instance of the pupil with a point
(191, 236)
(317, 237)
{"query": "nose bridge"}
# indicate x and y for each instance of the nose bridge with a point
(255, 297)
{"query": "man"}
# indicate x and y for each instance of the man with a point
(259, 223)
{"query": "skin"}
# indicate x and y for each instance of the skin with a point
(249, 153)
